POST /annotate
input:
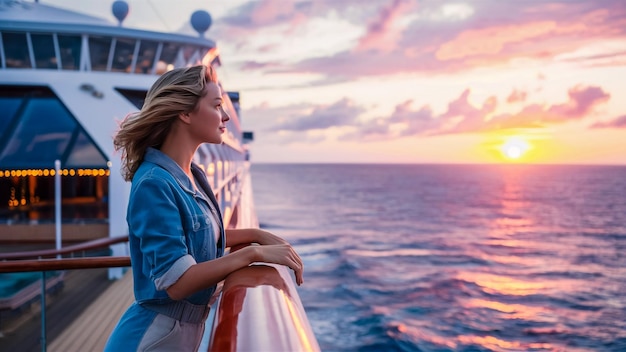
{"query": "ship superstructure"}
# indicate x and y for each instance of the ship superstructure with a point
(66, 80)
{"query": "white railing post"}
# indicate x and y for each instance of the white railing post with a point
(57, 204)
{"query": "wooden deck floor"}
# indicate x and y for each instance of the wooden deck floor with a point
(90, 331)
(22, 331)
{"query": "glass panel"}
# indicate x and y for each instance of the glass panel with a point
(147, 50)
(190, 55)
(16, 50)
(69, 47)
(84, 199)
(136, 97)
(124, 49)
(8, 106)
(202, 52)
(99, 48)
(44, 130)
(43, 48)
(85, 154)
(1, 58)
(168, 56)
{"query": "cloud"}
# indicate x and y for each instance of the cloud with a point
(619, 122)
(516, 96)
(382, 33)
(341, 113)
(410, 122)
(469, 118)
(491, 40)
(400, 37)
(460, 117)
(264, 13)
(416, 122)
(581, 103)
(305, 117)
(255, 65)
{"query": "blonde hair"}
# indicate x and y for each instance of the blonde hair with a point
(175, 92)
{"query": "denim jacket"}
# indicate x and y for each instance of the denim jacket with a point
(168, 229)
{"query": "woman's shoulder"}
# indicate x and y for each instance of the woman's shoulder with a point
(152, 173)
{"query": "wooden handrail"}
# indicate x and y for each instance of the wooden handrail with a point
(14, 266)
(48, 253)
(259, 310)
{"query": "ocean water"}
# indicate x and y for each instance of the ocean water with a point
(454, 257)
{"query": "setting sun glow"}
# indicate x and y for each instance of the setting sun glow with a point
(514, 148)
(513, 151)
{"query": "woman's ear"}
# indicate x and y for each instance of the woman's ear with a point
(184, 117)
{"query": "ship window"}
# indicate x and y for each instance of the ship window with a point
(135, 96)
(43, 48)
(99, 48)
(41, 136)
(123, 57)
(145, 59)
(190, 55)
(16, 50)
(44, 130)
(38, 129)
(8, 106)
(168, 56)
(85, 153)
(69, 47)
(189, 52)
(83, 200)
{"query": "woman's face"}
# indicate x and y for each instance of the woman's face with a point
(207, 120)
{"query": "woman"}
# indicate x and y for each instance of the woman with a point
(176, 234)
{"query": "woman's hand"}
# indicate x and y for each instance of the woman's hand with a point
(267, 238)
(282, 254)
(238, 237)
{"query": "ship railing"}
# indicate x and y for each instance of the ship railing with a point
(258, 307)
(227, 185)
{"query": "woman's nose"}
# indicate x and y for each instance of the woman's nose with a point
(225, 116)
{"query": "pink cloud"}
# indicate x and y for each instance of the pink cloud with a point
(461, 117)
(417, 122)
(516, 96)
(303, 116)
(491, 40)
(619, 122)
(582, 101)
(381, 33)
(341, 113)
(617, 58)
(497, 33)
(255, 65)
(267, 11)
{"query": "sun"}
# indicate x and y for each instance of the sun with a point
(514, 148)
(513, 151)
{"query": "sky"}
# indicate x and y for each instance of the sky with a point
(415, 81)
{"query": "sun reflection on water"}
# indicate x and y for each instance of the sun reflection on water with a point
(505, 285)
(496, 344)
(513, 311)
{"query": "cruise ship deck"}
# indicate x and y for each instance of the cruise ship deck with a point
(66, 81)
